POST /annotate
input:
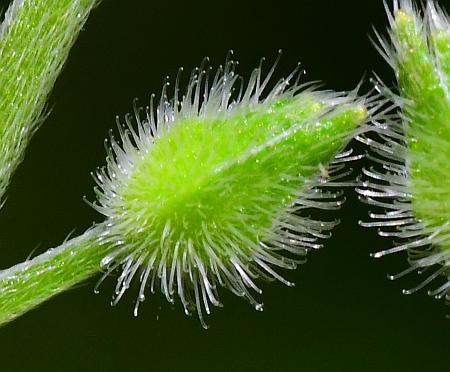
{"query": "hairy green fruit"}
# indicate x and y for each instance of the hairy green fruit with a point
(414, 150)
(210, 191)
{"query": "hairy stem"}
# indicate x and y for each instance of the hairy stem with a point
(35, 40)
(28, 284)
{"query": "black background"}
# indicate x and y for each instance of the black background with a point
(343, 315)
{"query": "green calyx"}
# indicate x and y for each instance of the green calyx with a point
(207, 193)
(239, 170)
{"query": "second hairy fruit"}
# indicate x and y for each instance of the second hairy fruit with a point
(410, 178)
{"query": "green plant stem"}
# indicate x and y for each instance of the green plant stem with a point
(28, 284)
(35, 40)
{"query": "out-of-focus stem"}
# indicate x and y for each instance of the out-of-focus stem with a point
(35, 40)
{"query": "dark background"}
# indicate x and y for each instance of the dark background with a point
(343, 314)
